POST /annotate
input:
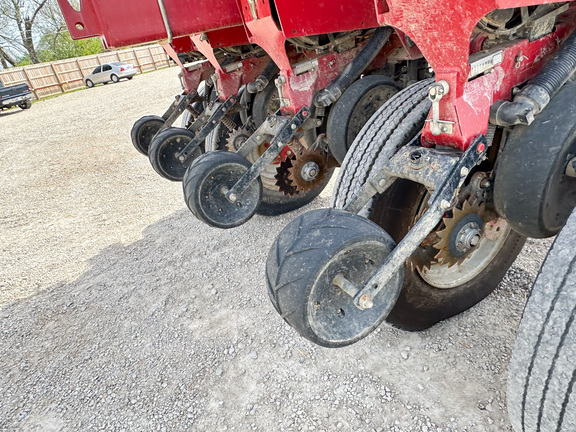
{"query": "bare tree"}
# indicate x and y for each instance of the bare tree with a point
(6, 59)
(20, 17)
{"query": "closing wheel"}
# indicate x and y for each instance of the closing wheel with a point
(532, 189)
(450, 272)
(303, 262)
(458, 265)
(165, 149)
(208, 180)
(144, 130)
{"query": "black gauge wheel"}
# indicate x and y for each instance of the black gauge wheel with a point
(144, 129)
(165, 150)
(206, 183)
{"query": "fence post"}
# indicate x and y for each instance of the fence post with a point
(79, 68)
(153, 59)
(30, 81)
(57, 78)
(137, 60)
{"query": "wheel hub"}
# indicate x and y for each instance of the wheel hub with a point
(309, 171)
(468, 237)
(461, 234)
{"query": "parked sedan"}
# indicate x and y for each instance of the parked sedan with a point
(114, 72)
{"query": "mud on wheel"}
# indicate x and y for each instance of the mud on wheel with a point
(206, 183)
(302, 265)
(144, 130)
(466, 255)
(165, 150)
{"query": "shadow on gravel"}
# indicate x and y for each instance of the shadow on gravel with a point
(175, 332)
(10, 112)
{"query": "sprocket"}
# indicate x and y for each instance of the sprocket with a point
(283, 181)
(308, 169)
(462, 232)
(238, 137)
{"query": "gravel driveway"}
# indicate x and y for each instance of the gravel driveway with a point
(120, 311)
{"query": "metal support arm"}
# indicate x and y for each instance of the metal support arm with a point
(177, 108)
(283, 137)
(443, 171)
(206, 126)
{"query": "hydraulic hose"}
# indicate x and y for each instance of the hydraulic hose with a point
(263, 79)
(537, 94)
(335, 89)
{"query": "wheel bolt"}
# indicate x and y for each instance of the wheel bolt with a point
(365, 302)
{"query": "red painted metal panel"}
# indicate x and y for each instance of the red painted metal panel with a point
(303, 17)
(228, 37)
(122, 23)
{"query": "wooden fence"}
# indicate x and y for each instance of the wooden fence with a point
(47, 79)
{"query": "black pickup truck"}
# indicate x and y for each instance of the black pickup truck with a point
(16, 95)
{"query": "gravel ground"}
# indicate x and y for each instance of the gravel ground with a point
(120, 311)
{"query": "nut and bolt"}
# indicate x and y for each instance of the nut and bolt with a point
(468, 237)
(271, 120)
(475, 240)
(309, 171)
(365, 302)
(232, 198)
(444, 204)
(464, 171)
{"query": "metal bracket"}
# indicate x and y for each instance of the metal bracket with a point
(284, 135)
(280, 81)
(266, 131)
(177, 108)
(207, 126)
(446, 183)
(437, 92)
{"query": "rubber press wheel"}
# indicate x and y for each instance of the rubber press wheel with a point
(206, 183)
(428, 295)
(305, 259)
(165, 149)
(144, 129)
(542, 375)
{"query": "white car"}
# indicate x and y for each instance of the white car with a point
(110, 72)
